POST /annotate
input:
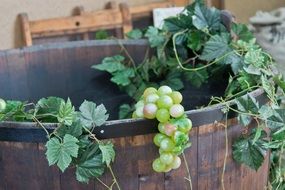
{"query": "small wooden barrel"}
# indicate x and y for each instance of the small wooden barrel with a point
(64, 70)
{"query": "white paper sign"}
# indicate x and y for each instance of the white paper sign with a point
(160, 14)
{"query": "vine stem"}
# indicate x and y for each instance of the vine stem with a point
(188, 171)
(226, 152)
(42, 126)
(109, 167)
(114, 177)
(193, 69)
(109, 188)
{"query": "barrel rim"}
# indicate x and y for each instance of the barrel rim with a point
(28, 132)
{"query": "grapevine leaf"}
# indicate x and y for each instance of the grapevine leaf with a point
(254, 57)
(123, 77)
(92, 115)
(197, 78)
(154, 37)
(125, 111)
(90, 164)
(101, 35)
(268, 87)
(195, 40)
(173, 80)
(265, 111)
(135, 34)
(234, 60)
(14, 111)
(206, 18)
(61, 153)
(111, 64)
(47, 109)
(246, 104)
(216, 47)
(66, 114)
(178, 23)
(277, 120)
(75, 129)
(242, 31)
(108, 152)
(249, 153)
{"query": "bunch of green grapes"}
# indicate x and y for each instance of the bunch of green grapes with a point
(174, 126)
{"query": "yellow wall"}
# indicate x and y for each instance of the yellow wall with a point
(244, 9)
(10, 33)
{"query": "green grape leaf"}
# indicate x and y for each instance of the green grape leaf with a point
(195, 40)
(61, 153)
(234, 60)
(135, 34)
(123, 77)
(280, 82)
(247, 104)
(206, 18)
(74, 130)
(277, 120)
(197, 78)
(125, 111)
(265, 111)
(254, 57)
(242, 31)
(250, 153)
(47, 109)
(155, 38)
(216, 47)
(173, 80)
(90, 164)
(14, 111)
(66, 113)
(268, 87)
(108, 153)
(111, 64)
(92, 115)
(177, 23)
(101, 35)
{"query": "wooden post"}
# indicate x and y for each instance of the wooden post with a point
(127, 18)
(114, 5)
(25, 26)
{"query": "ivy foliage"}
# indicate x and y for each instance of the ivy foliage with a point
(72, 142)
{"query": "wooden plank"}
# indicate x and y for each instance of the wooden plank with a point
(26, 31)
(18, 72)
(146, 9)
(76, 24)
(126, 15)
(4, 77)
(21, 169)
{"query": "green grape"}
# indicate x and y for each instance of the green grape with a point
(2, 105)
(180, 138)
(149, 111)
(176, 162)
(166, 158)
(176, 97)
(134, 115)
(164, 101)
(167, 169)
(162, 115)
(186, 126)
(139, 104)
(161, 128)
(149, 91)
(152, 98)
(158, 166)
(177, 150)
(160, 150)
(158, 138)
(139, 112)
(167, 144)
(169, 129)
(164, 90)
(176, 110)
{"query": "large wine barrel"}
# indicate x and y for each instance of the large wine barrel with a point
(64, 70)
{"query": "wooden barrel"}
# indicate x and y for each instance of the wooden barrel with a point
(64, 70)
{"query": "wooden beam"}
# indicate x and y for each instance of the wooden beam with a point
(25, 27)
(76, 24)
(127, 19)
